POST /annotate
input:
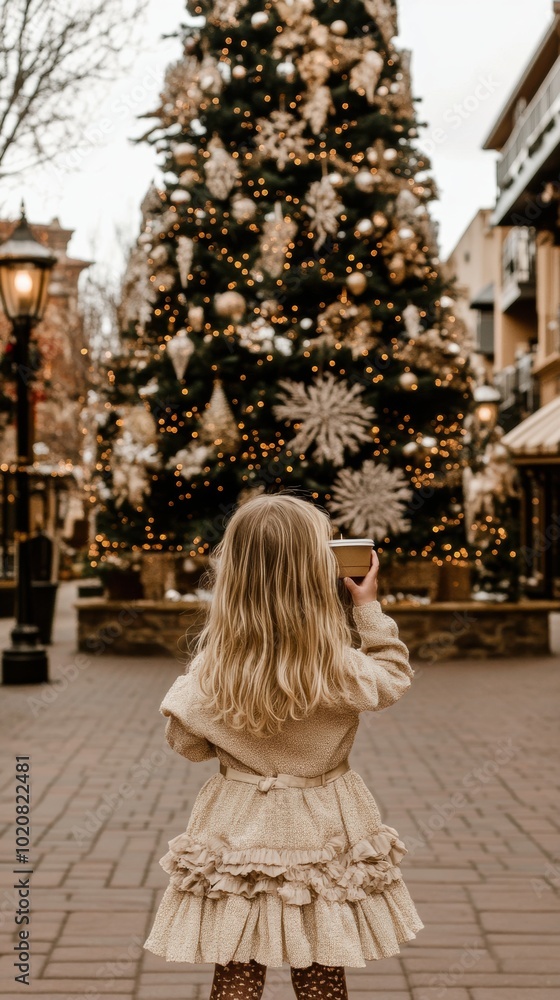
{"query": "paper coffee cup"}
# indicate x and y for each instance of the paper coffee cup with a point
(353, 555)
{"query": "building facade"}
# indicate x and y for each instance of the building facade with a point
(507, 265)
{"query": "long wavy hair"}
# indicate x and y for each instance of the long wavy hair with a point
(274, 641)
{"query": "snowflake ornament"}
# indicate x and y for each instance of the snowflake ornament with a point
(371, 502)
(280, 138)
(328, 414)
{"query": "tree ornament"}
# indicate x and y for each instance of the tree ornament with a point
(408, 380)
(328, 414)
(218, 425)
(365, 181)
(339, 27)
(349, 324)
(269, 307)
(184, 254)
(286, 70)
(179, 196)
(452, 349)
(315, 67)
(407, 204)
(410, 449)
(284, 345)
(280, 138)
(257, 336)
(138, 292)
(411, 317)
(230, 305)
(259, 19)
(164, 280)
(191, 460)
(188, 177)
(180, 349)
(306, 323)
(224, 12)
(224, 69)
(384, 13)
(239, 72)
(184, 153)
(365, 74)
(243, 209)
(210, 78)
(364, 227)
(138, 422)
(336, 179)
(220, 169)
(195, 316)
(316, 108)
(371, 501)
(323, 205)
(390, 155)
(159, 255)
(427, 442)
(356, 282)
(397, 269)
(130, 479)
(276, 235)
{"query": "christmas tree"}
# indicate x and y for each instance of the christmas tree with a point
(285, 319)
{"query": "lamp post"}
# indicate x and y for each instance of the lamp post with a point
(25, 266)
(487, 399)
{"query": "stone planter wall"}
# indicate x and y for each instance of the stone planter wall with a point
(139, 628)
(434, 632)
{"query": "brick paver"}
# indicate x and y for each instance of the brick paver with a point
(465, 767)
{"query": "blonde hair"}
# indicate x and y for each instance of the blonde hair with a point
(274, 641)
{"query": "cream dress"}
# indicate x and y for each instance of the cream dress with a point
(290, 875)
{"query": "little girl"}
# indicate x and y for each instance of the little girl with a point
(285, 857)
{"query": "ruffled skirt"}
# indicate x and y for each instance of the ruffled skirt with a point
(294, 875)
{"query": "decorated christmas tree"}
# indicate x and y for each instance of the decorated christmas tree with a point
(285, 319)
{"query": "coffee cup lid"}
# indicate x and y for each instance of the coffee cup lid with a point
(336, 543)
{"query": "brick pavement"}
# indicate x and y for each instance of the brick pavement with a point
(465, 767)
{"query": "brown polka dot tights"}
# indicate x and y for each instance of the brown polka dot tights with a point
(245, 981)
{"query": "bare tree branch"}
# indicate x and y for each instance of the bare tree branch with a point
(52, 53)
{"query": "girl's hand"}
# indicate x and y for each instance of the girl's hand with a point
(366, 591)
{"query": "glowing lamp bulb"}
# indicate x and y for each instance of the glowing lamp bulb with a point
(22, 282)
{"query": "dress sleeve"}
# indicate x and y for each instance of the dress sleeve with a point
(179, 730)
(381, 667)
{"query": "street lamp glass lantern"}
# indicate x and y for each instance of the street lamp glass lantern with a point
(25, 266)
(487, 399)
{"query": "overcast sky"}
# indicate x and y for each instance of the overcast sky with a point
(465, 60)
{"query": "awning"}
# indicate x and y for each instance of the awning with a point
(538, 435)
(484, 299)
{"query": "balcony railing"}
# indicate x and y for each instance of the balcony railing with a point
(517, 385)
(538, 115)
(519, 256)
